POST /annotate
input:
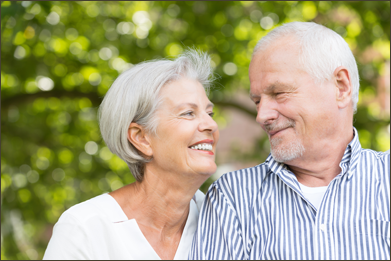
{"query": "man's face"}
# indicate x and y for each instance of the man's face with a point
(295, 111)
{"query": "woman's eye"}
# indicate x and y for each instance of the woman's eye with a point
(189, 113)
(211, 114)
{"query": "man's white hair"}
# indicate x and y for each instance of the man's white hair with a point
(321, 51)
(134, 97)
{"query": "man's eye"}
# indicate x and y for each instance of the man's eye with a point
(256, 102)
(211, 114)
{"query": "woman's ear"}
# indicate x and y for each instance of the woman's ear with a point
(139, 139)
(343, 87)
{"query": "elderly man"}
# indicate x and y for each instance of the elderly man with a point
(318, 195)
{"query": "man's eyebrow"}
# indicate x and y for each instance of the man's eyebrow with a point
(254, 96)
(283, 87)
(274, 87)
(271, 88)
(268, 89)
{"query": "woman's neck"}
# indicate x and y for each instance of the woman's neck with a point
(160, 202)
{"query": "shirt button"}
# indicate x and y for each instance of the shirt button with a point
(322, 227)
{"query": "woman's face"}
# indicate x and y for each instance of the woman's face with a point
(186, 134)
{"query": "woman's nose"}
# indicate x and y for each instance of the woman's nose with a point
(208, 124)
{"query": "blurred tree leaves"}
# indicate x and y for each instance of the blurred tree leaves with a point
(59, 59)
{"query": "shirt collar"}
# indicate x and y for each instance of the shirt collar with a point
(348, 163)
(354, 149)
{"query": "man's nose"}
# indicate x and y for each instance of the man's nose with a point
(267, 112)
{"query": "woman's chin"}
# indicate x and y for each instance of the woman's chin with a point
(208, 171)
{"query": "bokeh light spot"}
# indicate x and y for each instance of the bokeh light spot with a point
(105, 53)
(45, 83)
(65, 156)
(267, 22)
(230, 68)
(58, 174)
(91, 147)
(309, 10)
(20, 52)
(53, 18)
(24, 195)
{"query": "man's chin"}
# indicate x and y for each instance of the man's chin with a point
(288, 152)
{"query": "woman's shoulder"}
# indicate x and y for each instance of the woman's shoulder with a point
(84, 231)
(100, 207)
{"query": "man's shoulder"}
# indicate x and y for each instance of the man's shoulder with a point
(375, 163)
(376, 156)
(246, 178)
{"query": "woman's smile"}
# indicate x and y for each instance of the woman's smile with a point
(205, 146)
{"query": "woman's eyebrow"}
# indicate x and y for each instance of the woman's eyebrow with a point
(193, 105)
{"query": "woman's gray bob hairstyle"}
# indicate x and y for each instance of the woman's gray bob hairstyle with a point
(134, 97)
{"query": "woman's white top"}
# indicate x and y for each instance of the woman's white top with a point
(99, 229)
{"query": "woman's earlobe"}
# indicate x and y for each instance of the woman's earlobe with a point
(139, 139)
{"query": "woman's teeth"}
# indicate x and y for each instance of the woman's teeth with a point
(203, 146)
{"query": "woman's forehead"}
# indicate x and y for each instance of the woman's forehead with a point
(183, 89)
(185, 95)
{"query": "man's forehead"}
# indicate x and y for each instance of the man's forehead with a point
(278, 66)
(277, 50)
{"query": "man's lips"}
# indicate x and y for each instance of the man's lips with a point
(274, 132)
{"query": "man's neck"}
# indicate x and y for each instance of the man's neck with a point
(315, 169)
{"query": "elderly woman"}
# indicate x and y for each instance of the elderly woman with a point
(157, 118)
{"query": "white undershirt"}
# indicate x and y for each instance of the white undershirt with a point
(313, 194)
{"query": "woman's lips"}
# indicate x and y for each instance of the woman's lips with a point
(209, 141)
(205, 151)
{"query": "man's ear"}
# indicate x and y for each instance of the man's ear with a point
(139, 139)
(343, 87)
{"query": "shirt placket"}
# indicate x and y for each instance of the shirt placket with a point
(295, 187)
(321, 231)
(324, 237)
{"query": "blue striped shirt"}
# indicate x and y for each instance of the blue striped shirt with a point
(261, 213)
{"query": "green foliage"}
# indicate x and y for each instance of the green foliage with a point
(60, 58)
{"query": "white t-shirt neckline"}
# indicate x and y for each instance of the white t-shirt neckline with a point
(313, 194)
